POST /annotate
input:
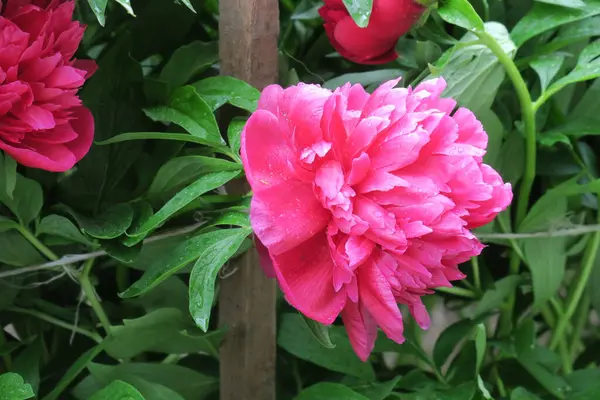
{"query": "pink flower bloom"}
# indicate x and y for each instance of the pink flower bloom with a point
(376, 43)
(365, 201)
(42, 122)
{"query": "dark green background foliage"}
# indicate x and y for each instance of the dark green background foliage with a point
(133, 319)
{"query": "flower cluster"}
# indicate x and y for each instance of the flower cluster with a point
(42, 121)
(375, 44)
(363, 201)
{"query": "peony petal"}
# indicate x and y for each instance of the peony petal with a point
(265, 259)
(53, 158)
(265, 152)
(83, 125)
(287, 215)
(361, 327)
(376, 296)
(305, 274)
(37, 118)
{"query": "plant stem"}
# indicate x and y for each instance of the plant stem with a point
(41, 247)
(575, 296)
(528, 117)
(581, 318)
(84, 278)
(476, 274)
(55, 321)
(457, 291)
(499, 384)
(90, 293)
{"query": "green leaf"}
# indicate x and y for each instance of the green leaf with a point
(181, 171)
(99, 8)
(17, 251)
(550, 211)
(118, 390)
(564, 3)
(26, 201)
(189, 384)
(234, 133)
(553, 383)
(544, 17)
(522, 394)
(525, 337)
(204, 184)
(460, 13)
(584, 384)
(546, 258)
(176, 259)
(466, 391)
(7, 224)
(10, 175)
(27, 363)
(364, 78)
(187, 109)
(588, 67)
(188, 4)
(547, 67)
(473, 73)
(218, 90)
(60, 226)
(480, 338)
(126, 4)
(219, 247)
(494, 298)
(13, 387)
(380, 391)
(164, 330)
(295, 338)
(180, 137)
(149, 390)
(74, 370)
(495, 131)
(449, 339)
(120, 252)
(319, 331)
(329, 391)
(576, 31)
(109, 224)
(360, 11)
(188, 61)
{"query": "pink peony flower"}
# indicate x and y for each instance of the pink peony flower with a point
(365, 201)
(42, 122)
(374, 44)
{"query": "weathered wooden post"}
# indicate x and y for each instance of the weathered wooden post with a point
(248, 31)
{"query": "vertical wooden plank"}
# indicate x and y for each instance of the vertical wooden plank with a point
(248, 32)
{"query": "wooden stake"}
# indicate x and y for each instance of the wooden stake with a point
(248, 33)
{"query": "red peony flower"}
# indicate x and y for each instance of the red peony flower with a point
(365, 201)
(42, 121)
(376, 43)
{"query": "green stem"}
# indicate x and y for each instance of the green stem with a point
(476, 274)
(576, 295)
(528, 117)
(457, 291)
(41, 247)
(84, 278)
(581, 319)
(55, 321)
(90, 294)
(499, 383)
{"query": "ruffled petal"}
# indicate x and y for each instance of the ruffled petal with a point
(305, 275)
(285, 216)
